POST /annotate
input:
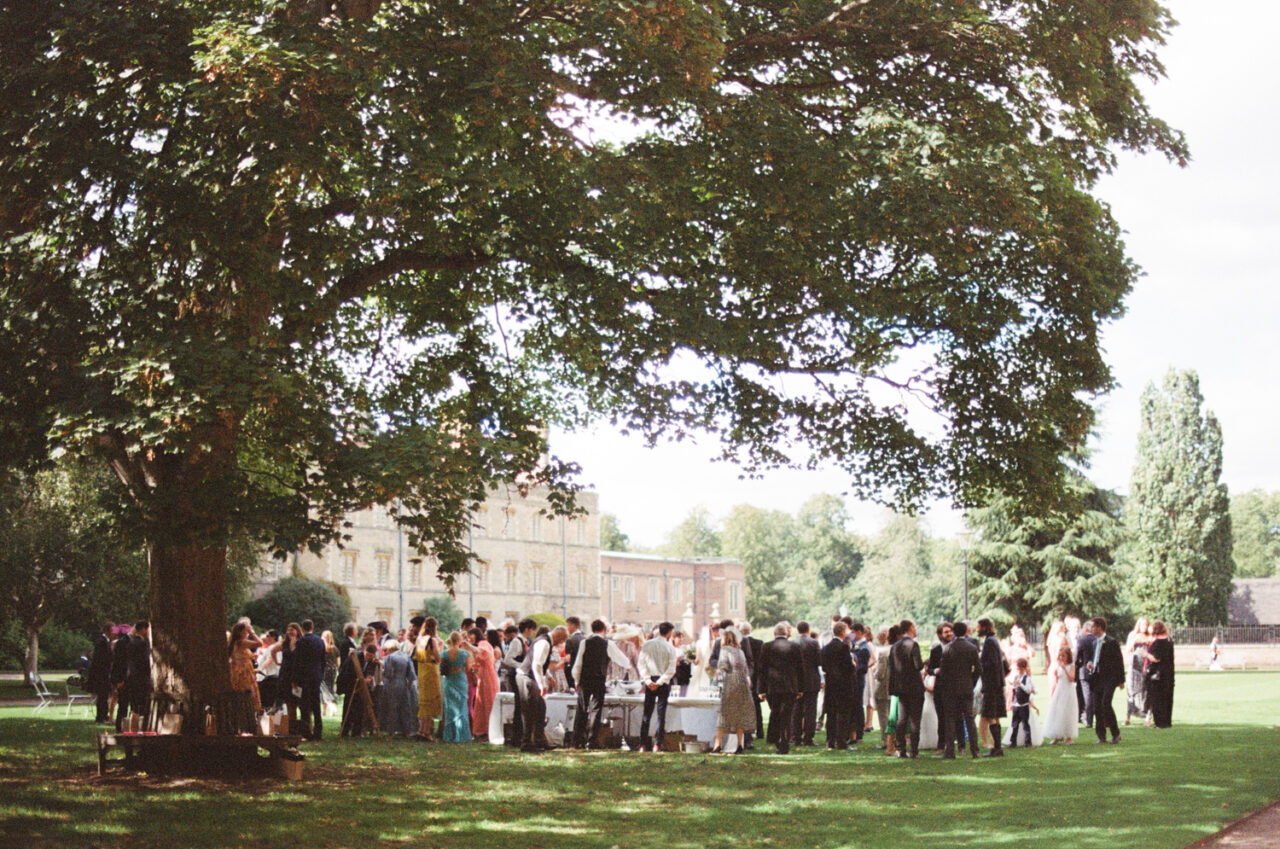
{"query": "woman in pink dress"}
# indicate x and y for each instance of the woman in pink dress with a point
(486, 672)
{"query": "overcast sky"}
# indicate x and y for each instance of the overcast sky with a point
(1208, 238)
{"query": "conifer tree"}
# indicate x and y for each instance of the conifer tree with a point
(1178, 513)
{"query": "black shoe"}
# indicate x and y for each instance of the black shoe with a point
(994, 753)
(1013, 745)
(1115, 739)
(902, 755)
(718, 750)
(948, 756)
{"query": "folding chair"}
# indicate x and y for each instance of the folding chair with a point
(45, 695)
(72, 698)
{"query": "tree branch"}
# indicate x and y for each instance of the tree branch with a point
(404, 259)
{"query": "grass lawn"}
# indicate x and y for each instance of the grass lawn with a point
(1157, 790)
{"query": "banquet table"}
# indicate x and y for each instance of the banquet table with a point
(694, 716)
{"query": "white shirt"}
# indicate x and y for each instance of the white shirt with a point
(658, 659)
(541, 648)
(615, 655)
(268, 661)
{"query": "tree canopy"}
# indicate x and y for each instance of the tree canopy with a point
(1178, 513)
(276, 260)
(1255, 534)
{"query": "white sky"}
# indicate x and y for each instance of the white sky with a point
(1208, 238)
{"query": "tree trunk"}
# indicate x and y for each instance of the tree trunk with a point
(32, 665)
(188, 626)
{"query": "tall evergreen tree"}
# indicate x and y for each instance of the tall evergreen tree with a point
(1178, 513)
(1037, 568)
(766, 543)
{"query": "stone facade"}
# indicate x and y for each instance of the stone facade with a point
(1254, 601)
(529, 563)
(647, 589)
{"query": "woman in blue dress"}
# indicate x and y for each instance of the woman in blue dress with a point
(454, 664)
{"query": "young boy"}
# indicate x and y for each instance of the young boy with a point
(1022, 691)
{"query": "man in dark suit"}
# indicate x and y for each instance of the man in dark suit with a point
(119, 671)
(99, 678)
(804, 720)
(349, 670)
(1086, 646)
(779, 672)
(571, 646)
(908, 686)
(837, 700)
(1106, 672)
(137, 676)
(308, 672)
(861, 651)
(945, 636)
(959, 670)
(751, 648)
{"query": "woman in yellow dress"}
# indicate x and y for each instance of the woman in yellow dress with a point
(426, 653)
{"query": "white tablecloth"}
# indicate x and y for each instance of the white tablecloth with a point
(692, 715)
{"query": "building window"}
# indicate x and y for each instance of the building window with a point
(481, 521)
(582, 580)
(511, 575)
(535, 527)
(628, 589)
(384, 614)
(580, 529)
(653, 591)
(677, 591)
(735, 597)
(481, 571)
(415, 572)
(349, 566)
(508, 519)
(537, 577)
(384, 569)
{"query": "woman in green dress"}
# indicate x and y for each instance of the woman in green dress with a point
(426, 653)
(454, 665)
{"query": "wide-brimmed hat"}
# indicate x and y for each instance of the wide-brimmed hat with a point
(626, 632)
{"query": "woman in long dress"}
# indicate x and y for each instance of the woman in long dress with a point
(486, 671)
(454, 665)
(1136, 648)
(244, 682)
(1062, 718)
(737, 707)
(396, 708)
(426, 654)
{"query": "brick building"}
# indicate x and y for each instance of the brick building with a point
(647, 589)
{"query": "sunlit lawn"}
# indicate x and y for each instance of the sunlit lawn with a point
(1157, 789)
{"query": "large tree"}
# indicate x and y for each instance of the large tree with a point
(1035, 569)
(766, 543)
(273, 260)
(1178, 514)
(1255, 534)
(61, 556)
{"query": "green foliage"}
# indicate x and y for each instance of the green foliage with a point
(61, 555)
(60, 646)
(904, 574)
(696, 536)
(1255, 534)
(447, 613)
(273, 264)
(765, 542)
(611, 536)
(1038, 569)
(551, 620)
(822, 527)
(294, 599)
(1178, 515)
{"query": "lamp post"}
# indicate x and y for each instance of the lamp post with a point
(966, 541)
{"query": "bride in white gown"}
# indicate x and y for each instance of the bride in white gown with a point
(1062, 718)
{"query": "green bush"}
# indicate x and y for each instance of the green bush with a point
(295, 599)
(551, 620)
(448, 615)
(60, 647)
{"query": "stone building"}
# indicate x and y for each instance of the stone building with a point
(647, 589)
(1254, 601)
(529, 563)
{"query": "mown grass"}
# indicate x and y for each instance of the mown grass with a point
(1157, 790)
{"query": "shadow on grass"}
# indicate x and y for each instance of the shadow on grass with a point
(1157, 789)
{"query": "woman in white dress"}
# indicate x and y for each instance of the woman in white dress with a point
(1062, 718)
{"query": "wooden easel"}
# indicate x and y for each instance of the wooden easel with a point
(362, 689)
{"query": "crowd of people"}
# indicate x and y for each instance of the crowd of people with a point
(417, 683)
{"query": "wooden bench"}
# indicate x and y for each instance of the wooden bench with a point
(1204, 659)
(163, 753)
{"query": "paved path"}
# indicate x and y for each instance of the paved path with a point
(1259, 830)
